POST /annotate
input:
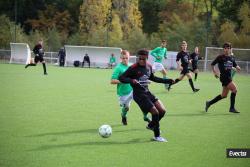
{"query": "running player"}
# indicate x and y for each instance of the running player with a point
(195, 57)
(184, 57)
(124, 91)
(225, 65)
(138, 75)
(159, 53)
(39, 53)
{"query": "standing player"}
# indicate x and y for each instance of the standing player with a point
(112, 60)
(225, 64)
(39, 53)
(159, 53)
(124, 91)
(195, 57)
(138, 75)
(183, 56)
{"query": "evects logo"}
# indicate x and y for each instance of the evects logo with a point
(238, 153)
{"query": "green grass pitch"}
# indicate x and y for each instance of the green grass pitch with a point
(52, 121)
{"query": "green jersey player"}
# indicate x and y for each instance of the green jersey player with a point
(159, 53)
(124, 91)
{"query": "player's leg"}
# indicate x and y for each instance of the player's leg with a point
(223, 95)
(179, 79)
(161, 109)
(44, 66)
(189, 75)
(196, 74)
(164, 74)
(232, 87)
(33, 63)
(125, 102)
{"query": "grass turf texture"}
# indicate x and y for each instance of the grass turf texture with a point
(53, 121)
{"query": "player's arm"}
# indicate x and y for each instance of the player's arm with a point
(160, 80)
(216, 73)
(127, 77)
(115, 76)
(236, 67)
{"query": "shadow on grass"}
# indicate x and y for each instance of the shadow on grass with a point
(201, 114)
(90, 143)
(91, 131)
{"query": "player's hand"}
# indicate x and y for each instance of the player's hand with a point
(180, 68)
(134, 81)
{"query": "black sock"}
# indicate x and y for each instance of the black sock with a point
(161, 115)
(191, 84)
(232, 100)
(155, 125)
(44, 68)
(176, 80)
(217, 98)
(195, 76)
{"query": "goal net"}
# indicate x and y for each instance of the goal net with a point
(242, 57)
(99, 56)
(20, 53)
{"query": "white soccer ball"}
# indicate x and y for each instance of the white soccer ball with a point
(105, 131)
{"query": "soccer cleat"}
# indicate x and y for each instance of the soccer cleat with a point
(196, 90)
(26, 66)
(159, 139)
(124, 121)
(45, 73)
(233, 110)
(207, 105)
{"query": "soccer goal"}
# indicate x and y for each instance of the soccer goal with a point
(20, 53)
(99, 56)
(242, 57)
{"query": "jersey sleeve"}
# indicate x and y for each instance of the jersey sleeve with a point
(154, 52)
(234, 63)
(126, 77)
(178, 57)
(216, 60)
(116, 73)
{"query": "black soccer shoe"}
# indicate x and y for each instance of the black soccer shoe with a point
(45, 73)
(233, 110)
(124, 121)
(196, 90)
(207, 105)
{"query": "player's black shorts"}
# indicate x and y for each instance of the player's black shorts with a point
(225, 81)
(145, 101)
(185, 71)
(39, 58)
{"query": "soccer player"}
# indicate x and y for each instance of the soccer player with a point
(184, 58)
(195, 57)
(225, 64)
(39, 53)
(86, 59)
(112, 60)
(138, 75)
(124, 91)
(159, 53)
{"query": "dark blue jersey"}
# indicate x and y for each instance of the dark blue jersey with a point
(184, 57)
(225, 65)
(142, 74)
(195, 57)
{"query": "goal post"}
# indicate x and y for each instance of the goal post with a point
(99, 56)
(20, 53)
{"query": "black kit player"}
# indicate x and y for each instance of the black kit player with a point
(138, 75)
(195, 57)
(184, 57)
(39, 53)
(225, 64)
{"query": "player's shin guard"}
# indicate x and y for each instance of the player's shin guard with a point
(44, 68)
(191, 84)
(232, 100)
(124, 111)
(30, 65)
(216, 99)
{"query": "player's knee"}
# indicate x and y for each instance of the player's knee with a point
(223, 96)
